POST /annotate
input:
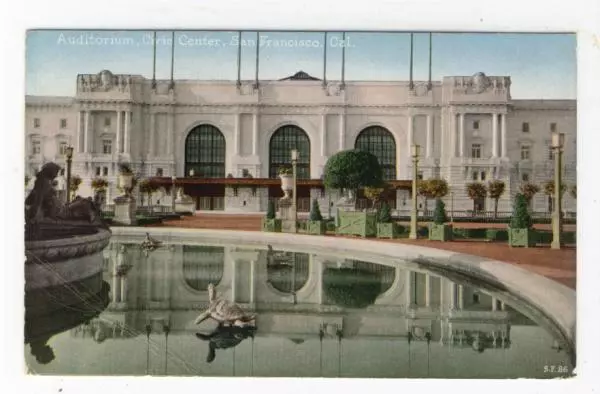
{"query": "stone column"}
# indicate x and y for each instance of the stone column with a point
(461, 301)
(494, 134)
(123, 288)
(126, 134)
(86, 135)
(453, 132)
(342, 131)
(252, 281)
(427, 290)
(151, 137)
(409, 132)
(453, 298)
(323, 134)
(79, 132)
(429, 144)
(503, 131)
(494, 304)
(461, 126)
(119, 130)
(236, 135)
(408, 291)
(254, 134)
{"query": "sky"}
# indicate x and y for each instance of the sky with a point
(542, 66)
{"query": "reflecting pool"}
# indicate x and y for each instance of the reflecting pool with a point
(317, 316)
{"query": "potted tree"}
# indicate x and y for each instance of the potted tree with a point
(476, 191)
(438, 188)
(386, 227)
(424, 190)
(439, 230)
(315, 225)
(373, 194)
(520, 231)
(528, 190)
(99, 185)
(349, 171)
(270, 222)
(496, 190)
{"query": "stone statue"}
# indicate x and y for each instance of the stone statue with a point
(44, 209)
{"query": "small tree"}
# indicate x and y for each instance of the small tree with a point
(125, 169)
(438, 188)
(384, 215)
(373, 194)
(271, 210)
(573, 191)
(99, 184)
(496, 190)
(148, 186)
(520, 218)
(528, 190)
(352, 170)
(475, 191)
(424, 190)
(315, 212)
(440, 217)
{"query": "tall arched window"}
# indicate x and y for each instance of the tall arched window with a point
(282, 142)
(203, 265)
(380, 142)
(205, 152)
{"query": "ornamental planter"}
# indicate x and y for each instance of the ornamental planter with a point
(440, 232)
(271, 225)
(387, 230)
(363, 224)
(524, 237)
(287, 184)
(316, 227)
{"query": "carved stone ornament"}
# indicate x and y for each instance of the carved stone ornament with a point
(480, 82)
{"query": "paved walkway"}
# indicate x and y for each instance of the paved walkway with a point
(559, 265)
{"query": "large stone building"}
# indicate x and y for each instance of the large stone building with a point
(226, 132)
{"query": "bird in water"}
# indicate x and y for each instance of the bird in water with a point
(225, 312)
(224, 338)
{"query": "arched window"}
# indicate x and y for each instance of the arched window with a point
(288, 271)
(380, 142)
(205, 152)
(203, 265)
(282, 142)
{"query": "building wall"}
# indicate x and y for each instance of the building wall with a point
(149, 128)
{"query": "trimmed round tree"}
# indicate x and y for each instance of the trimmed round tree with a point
(496, 190)
(528, 190)
(352, 170)
(476, 191)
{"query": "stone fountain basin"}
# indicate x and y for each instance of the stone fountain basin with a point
(55, 262)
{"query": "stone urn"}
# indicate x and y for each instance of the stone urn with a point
(287, 184)
(125, 181)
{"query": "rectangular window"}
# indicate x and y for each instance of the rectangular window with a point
(62, 148)
(159, 172)
(482, 175)
(474, 175)
(36, 122)
(98, 169)
(476, 125)
(63, 123)
(107, 147)
(107, 121)
(550, 153)
(253, 191)
(36, 147)
(553, 127)
(525, 152)
(525, 177)
(525, 127)
(476, 151)
(105, 171)
(420, 176)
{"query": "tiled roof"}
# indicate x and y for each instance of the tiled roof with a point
(300, 76)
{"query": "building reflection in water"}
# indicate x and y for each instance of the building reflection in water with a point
(298, 296)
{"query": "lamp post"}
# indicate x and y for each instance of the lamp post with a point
(451, 207)
(173, 193)
(414, 151)
(294, 176)
(558, 142)
(69, 157)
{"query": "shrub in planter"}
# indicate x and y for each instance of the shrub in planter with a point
(438, 230)
(386, 228)
(520, 231)
(270, 222)
(315, 225)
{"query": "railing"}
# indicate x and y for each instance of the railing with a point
(302, 204)
(480, 216)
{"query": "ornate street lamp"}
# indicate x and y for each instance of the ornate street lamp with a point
(414, 152)
(558, 143)
(69, 157)
(294, 176)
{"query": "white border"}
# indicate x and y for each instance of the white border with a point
(582, 16)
